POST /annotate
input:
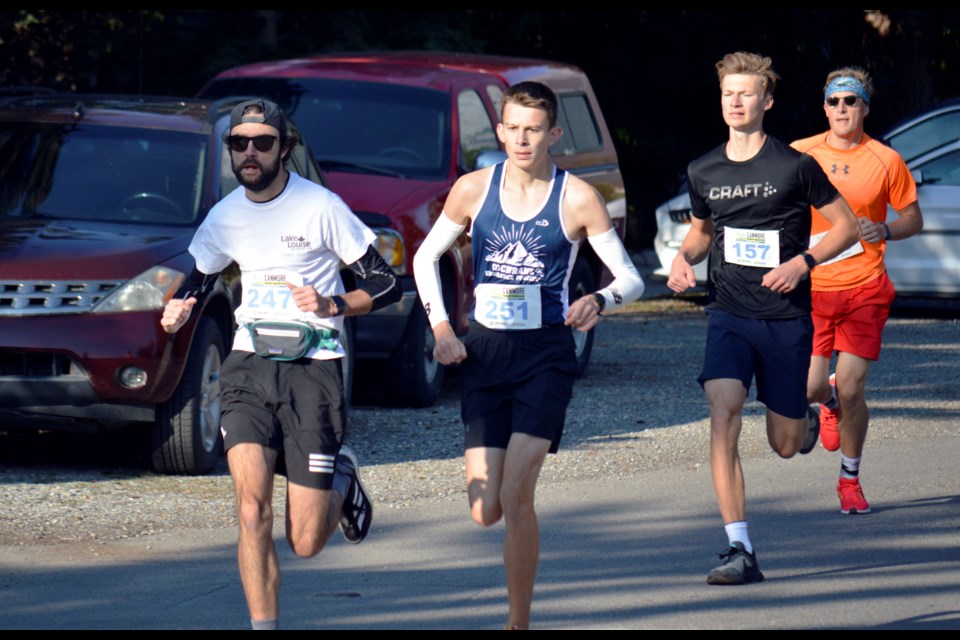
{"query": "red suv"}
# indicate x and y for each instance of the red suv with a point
(392, 133)
(99, 199)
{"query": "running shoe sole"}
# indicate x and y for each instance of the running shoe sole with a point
(357, 513)
(813, 431)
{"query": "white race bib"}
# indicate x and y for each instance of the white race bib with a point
(751, 247)
(509, 306)
(266, 295)
(852, 250)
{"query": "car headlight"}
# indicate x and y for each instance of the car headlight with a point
(389, 244)
(149, 290)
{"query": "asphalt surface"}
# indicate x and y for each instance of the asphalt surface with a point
(625, 552)
(630, 553)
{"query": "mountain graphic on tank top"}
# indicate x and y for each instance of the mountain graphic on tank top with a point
(512, 256)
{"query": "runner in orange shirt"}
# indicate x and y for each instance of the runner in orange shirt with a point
(851, 294)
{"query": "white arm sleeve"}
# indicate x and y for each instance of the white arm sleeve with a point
(627, 284)
(426, 266)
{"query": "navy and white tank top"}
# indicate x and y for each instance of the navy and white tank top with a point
(525, 256)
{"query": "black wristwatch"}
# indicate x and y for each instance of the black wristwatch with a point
(341, 305)
(810, 260)
(600, 301)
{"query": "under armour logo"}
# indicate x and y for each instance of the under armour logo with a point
(846, 169)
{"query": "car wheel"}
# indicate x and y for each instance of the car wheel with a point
(348, 361)
(581, 283)
(186, 437)
(414, 378)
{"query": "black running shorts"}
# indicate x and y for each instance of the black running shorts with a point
(295, 407)
(516, 382)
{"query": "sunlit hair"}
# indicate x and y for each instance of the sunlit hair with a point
(743, 63)
(532, 94)
(857, 73)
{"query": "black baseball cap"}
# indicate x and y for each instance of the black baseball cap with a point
(270, 114)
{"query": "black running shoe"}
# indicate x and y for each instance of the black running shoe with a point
(739, 567)
(813, 431)
(357, 513)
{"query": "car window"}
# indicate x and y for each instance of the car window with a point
(944, 170)
(927, 135)
(580, 131)
(360, 126)
(495, 94)
(114, 174)
(476, 130)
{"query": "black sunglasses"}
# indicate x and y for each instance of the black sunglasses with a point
(850, 101)
(261, 143)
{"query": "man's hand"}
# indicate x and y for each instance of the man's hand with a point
(682, 276)
(583, 314)
(176, 314)
(309, 301)
(449, 348)
(872, 231)
(787, 276)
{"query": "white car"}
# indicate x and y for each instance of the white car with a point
(673, 222)
(928, 264)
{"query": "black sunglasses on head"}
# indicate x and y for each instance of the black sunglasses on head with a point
(261, 143)
(850, 101)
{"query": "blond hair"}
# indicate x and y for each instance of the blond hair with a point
(743, 63)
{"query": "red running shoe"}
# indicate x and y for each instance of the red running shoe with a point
(830, 421)
(851, 496)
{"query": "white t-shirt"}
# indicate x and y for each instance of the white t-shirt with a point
(301, 236)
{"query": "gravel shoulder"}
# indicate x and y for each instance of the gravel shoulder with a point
(638, 408)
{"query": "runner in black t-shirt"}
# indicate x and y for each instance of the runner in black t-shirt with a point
(751, 200)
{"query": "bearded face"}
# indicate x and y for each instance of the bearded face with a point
(253, 174)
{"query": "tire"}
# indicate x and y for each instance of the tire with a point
(349, 361)
(581, 283)
(185, 438)
(413, 377)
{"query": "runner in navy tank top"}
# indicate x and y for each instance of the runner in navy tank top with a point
(534, 251)
(517, 361)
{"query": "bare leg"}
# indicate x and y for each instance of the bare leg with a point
(504, 483)
(726, 398)
(521, 544)
(251, 467)
(818, 380)
(851, 389)
(312, 517)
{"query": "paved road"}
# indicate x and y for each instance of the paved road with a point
(629, 551)
(626, 553)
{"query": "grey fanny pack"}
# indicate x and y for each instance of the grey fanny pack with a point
(289, 339)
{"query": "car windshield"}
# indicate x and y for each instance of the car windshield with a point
(362, 127)
(100, 173)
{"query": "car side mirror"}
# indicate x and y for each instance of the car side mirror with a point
(489, 158)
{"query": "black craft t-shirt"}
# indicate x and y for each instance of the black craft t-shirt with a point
(771, 192)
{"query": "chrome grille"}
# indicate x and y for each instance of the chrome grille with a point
(41, 297)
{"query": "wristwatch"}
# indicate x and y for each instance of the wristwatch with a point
(810, 260)
(341, 305)
(600, 301)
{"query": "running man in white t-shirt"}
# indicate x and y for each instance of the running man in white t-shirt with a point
(282, 382)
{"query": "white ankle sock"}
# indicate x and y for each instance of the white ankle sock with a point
(737, 532)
